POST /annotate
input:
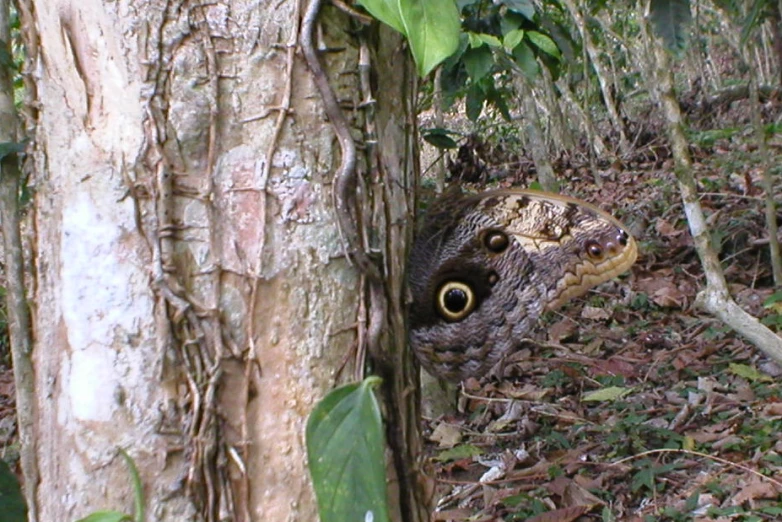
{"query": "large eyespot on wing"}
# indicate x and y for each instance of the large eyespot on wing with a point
(455, 301)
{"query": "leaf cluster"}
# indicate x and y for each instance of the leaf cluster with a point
(498, 40)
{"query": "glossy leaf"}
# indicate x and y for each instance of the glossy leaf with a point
(345, 451)
(512, 39)
(544, 43)
(387, 11)
(490, 40)
(432, 29)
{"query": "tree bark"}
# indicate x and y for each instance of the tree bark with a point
(537, 144)
(192, 291)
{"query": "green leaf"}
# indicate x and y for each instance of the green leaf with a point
(490, 40)
(14, 508)
(138, 489)
(512, 39)
(523, 7)
(474, 102)
(774, 298)
(387, 11)
(439, 138)
(544, 43)
(478, 62)
(497, 99)
(748, 372)
(106, 516)
(525, 59)
(345, 452)
(432, 28)
(610, 393)
(463, 451)
(511, 21)
(670, 21)
(11, 147)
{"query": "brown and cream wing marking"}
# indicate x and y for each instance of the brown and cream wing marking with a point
(484, 267)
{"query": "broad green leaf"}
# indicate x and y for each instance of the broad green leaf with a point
(12, 504)
(474, 102)
(524, 7)
(462, 451)
(432, 28)
(544, 43)
(387, 11)
(454, 76)
(611, 393)
(748, 372)
(345, 452)
(670, 21)
(525, 59)
(511, 21)
(490, 40)
(512, 39)
(106, 516)
(474, 40)
(478, 62)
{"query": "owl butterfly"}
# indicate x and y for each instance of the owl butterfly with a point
(484, 267)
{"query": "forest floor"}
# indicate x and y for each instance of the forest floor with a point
(634, 405)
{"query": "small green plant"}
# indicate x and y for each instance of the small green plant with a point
(138, 499)
(774, 306)
(646, 476)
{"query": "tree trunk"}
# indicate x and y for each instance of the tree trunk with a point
(545, 172)
(715, 298)
(193, 300)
